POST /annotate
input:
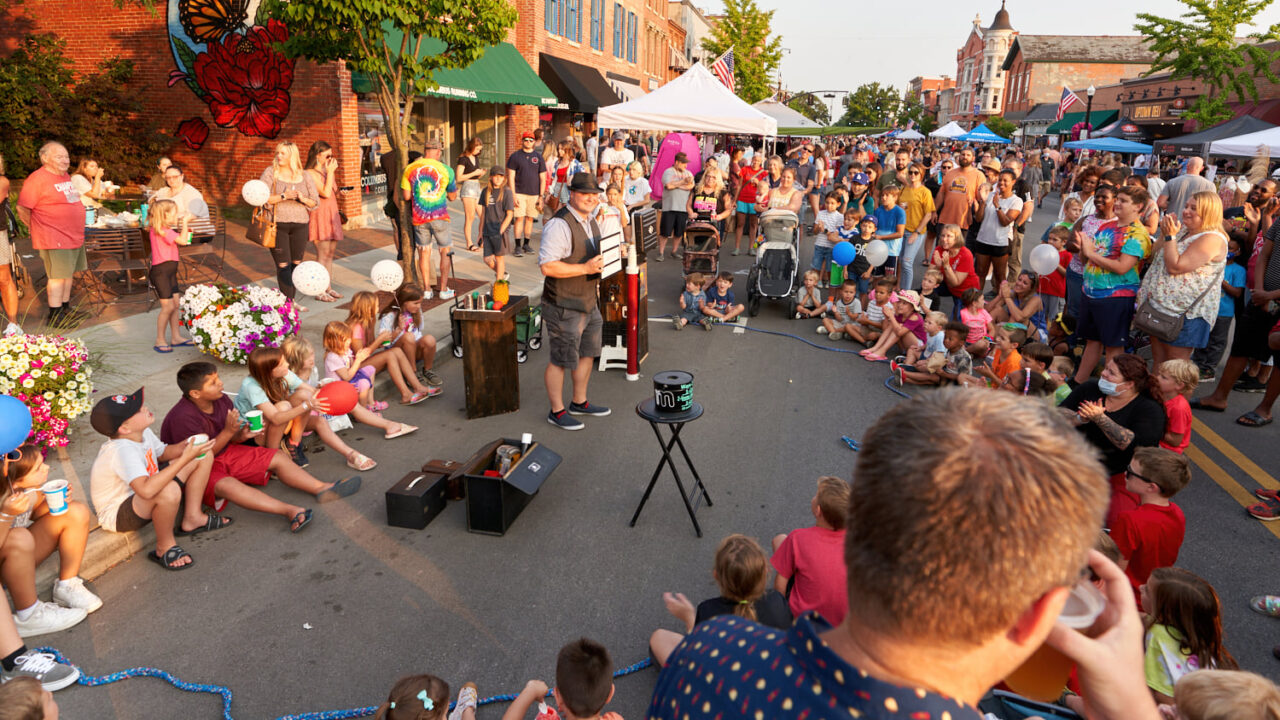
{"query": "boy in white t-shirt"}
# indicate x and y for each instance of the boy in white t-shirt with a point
(130, 490)
(844, 309)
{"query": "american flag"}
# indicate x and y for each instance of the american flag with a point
(1066, 101)
(911, 124)
(723, 69)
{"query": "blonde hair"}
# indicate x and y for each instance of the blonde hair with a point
(1182, 371)
(1226, 695)
(1071, 201)
(296, 351)
(833, 500)
(937, 318)
(935, 275)
(336, 335)
(1209, 207)
(163, 214)
(1061, 364)
(364, 312)
(292, 160)
(22, 698)
(811, 273)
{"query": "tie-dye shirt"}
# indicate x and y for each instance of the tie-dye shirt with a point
(1111, 241)
(429, 182)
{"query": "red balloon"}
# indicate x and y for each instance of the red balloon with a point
(340, 396)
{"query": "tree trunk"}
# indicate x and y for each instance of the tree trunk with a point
(398, 134)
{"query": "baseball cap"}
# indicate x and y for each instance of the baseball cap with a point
(869, 218)
(861, 179)
(497, 170)
(110, 412)
(433, 145)
(526, 136)
(618, 135)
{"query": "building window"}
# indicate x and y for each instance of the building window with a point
(597, 24)
(551, 15)
(619, 21)
(562, 18)
(631, 37)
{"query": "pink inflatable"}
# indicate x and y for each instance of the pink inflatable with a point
(672, 144)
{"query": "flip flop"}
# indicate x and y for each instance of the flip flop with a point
(171, 556)
(404, 430)
(325, 298)
(184, 343)
(418, 397)
(165, 351)
(361, 462)
(1253, 419)
(300, 521)
(215, 522)
(1197, 405)
(342, 488)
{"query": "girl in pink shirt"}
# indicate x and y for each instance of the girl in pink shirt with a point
(974, 315)
(164, 269)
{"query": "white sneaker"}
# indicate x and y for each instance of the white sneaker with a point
(13, 329)
(447, 294)
(49, 618)
(73, 594)
(427, 294)
(822, 330)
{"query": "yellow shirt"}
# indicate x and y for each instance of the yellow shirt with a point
(918, 203)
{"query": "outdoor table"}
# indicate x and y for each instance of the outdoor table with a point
(648, 410)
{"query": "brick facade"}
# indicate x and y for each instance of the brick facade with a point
(1033, 83)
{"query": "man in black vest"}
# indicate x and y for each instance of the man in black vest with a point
(570, 260)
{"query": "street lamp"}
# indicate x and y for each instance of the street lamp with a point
(1088, 109)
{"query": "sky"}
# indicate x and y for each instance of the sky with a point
(841, 44)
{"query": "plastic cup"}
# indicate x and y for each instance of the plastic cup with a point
(200, 439)
(254, 418)
(1043, 676)
(55, 494)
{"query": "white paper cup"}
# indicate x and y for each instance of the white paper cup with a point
(55, 494)
(200, 439)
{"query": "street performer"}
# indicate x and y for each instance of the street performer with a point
(570, 260)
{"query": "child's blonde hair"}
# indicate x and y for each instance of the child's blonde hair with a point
(364, 312)
(833, 500)
(336, 336)
(1060, 364)
(811, 273)
(22, 698)
(1072, 202)
(1060, 232)
(937, 318)
(1226, 695)
(695, 277)
(163, 214)
(417, 697)
(296, 351)
(741, 571)
(1182, 371)
(935, 275)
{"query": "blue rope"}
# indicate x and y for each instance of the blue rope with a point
(225, 693)
(780, 334)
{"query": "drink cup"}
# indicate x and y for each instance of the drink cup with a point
(254, 418)
(200, 439)
(1043, 676)
(55, 495)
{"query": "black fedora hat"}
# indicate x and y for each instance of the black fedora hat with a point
(583, 182)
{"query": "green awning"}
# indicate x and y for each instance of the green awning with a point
(1097, 118)
(501, 75)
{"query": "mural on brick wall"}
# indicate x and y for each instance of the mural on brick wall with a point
(225, 57)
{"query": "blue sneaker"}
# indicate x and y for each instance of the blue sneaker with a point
(587, 408)
(563, 421)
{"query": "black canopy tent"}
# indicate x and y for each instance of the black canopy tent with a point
(1197, 144)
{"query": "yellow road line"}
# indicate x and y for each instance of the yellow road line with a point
(1233, 488)
(1264, 479)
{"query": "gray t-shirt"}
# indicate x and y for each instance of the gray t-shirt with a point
(674, 200)
(1181, 188)
(496, 206)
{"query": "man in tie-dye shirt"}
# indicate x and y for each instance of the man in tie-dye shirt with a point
(429, 185)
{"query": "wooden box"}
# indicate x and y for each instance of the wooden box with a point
(493, 503)
(490, 371)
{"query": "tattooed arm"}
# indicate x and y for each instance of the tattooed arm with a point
(1119, 435)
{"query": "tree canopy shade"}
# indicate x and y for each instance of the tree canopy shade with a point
(1203, 45)
(746, 28)
(356, 32)
(812, 107)
(871, 104)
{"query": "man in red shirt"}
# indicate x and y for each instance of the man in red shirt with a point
(50, 205)
(810, 561)
(1150, 536)
(958, 192)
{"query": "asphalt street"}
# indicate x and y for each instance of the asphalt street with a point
(330, 618)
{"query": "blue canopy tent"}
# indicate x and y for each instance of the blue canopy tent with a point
(983, 134)
(1109, 144)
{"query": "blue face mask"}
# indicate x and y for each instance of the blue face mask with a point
(1231, 255)
(1107, 387)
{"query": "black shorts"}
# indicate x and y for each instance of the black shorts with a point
(164, 278)
(673, 223)
(494, 245)
(1105, 320)
(979, 248)
(1253, 325)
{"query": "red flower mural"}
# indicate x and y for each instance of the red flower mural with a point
(246, 82)
(193, 132)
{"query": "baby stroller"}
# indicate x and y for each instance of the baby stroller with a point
(774, 273)
(701, 249)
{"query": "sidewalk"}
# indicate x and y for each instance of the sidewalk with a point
(125, 362)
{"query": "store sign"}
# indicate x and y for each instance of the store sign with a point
(1178, 107)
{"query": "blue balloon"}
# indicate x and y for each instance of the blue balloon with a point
(843, 253)
(15, 423)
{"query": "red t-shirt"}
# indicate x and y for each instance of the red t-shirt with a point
(814, 558)
(1122, 501)
(961, 263)
(1150, 537)
(1178, 411)
(57, 215)
(1055, 283)
(747, 193)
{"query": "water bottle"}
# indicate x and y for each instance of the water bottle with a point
(90, 216)
(142, 213)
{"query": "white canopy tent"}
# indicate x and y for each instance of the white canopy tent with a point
(785, 116)
(910, 135)
(950, 130)
(694, 102)
(1247, 145)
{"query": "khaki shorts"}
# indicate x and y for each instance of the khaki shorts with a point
(572, 334)
(526, 206)
(63, 264)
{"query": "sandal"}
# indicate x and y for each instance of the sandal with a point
(360, 462)
(163, 349)
(418, 397)
(402, 431)
(1253, 419)
(171, 556)
(378, 406)
(1268, 605)
(1198, 405)
(467, 698)
(873, 357)
(300, 521)
(215, 522)
(323, 297)
(342, 488)
(184, 343)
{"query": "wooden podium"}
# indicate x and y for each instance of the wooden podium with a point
(490, 371)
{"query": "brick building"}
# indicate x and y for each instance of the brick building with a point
(225, 125)
(1039, 66)
(980, 77)
(928, 91)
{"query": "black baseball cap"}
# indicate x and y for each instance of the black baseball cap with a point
(110, 412)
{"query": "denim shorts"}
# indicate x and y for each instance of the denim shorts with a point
(1194, 334)
(441, 231)
(821, 255)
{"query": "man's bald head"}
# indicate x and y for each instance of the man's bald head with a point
(1195, 166)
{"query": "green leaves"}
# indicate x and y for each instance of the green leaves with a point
(812, 107)
(746, 28)
(872, 104)
(187, 57)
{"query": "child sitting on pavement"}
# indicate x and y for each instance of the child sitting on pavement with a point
(129, 489)
(423, 697)
(869, 325)
(29, 533)
(584, 685)
(363, 321)
(405, 321)
(956, 368)
(1060, 369)
(934, 322)
(843, 310)
(717, 302)
(974, 315)
(741, 573)
(1006, 358)
(301, 356)
(903, 327)
(342, 363)
(810, 560)
(809, 302)
(1176, 380)
(691, 302)
(1150, 536)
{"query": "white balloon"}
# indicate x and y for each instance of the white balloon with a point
(310, 278)
(387, 275)
(876, 252)
(255, 192)
(1044, 259)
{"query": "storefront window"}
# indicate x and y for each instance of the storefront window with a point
(373, 142)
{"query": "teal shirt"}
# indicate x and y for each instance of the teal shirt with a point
(252, 395)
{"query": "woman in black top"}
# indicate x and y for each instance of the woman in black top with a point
(468, 175)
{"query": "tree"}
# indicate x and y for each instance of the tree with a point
(1203, 46)
(925, 121)
(1000, 126)
(812, 107)
(363, 33)
(872, 104)
(746, 28)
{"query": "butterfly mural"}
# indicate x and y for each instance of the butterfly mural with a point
(226, 58)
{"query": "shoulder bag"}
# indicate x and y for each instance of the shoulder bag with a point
(262, 224)
(1161, 325)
